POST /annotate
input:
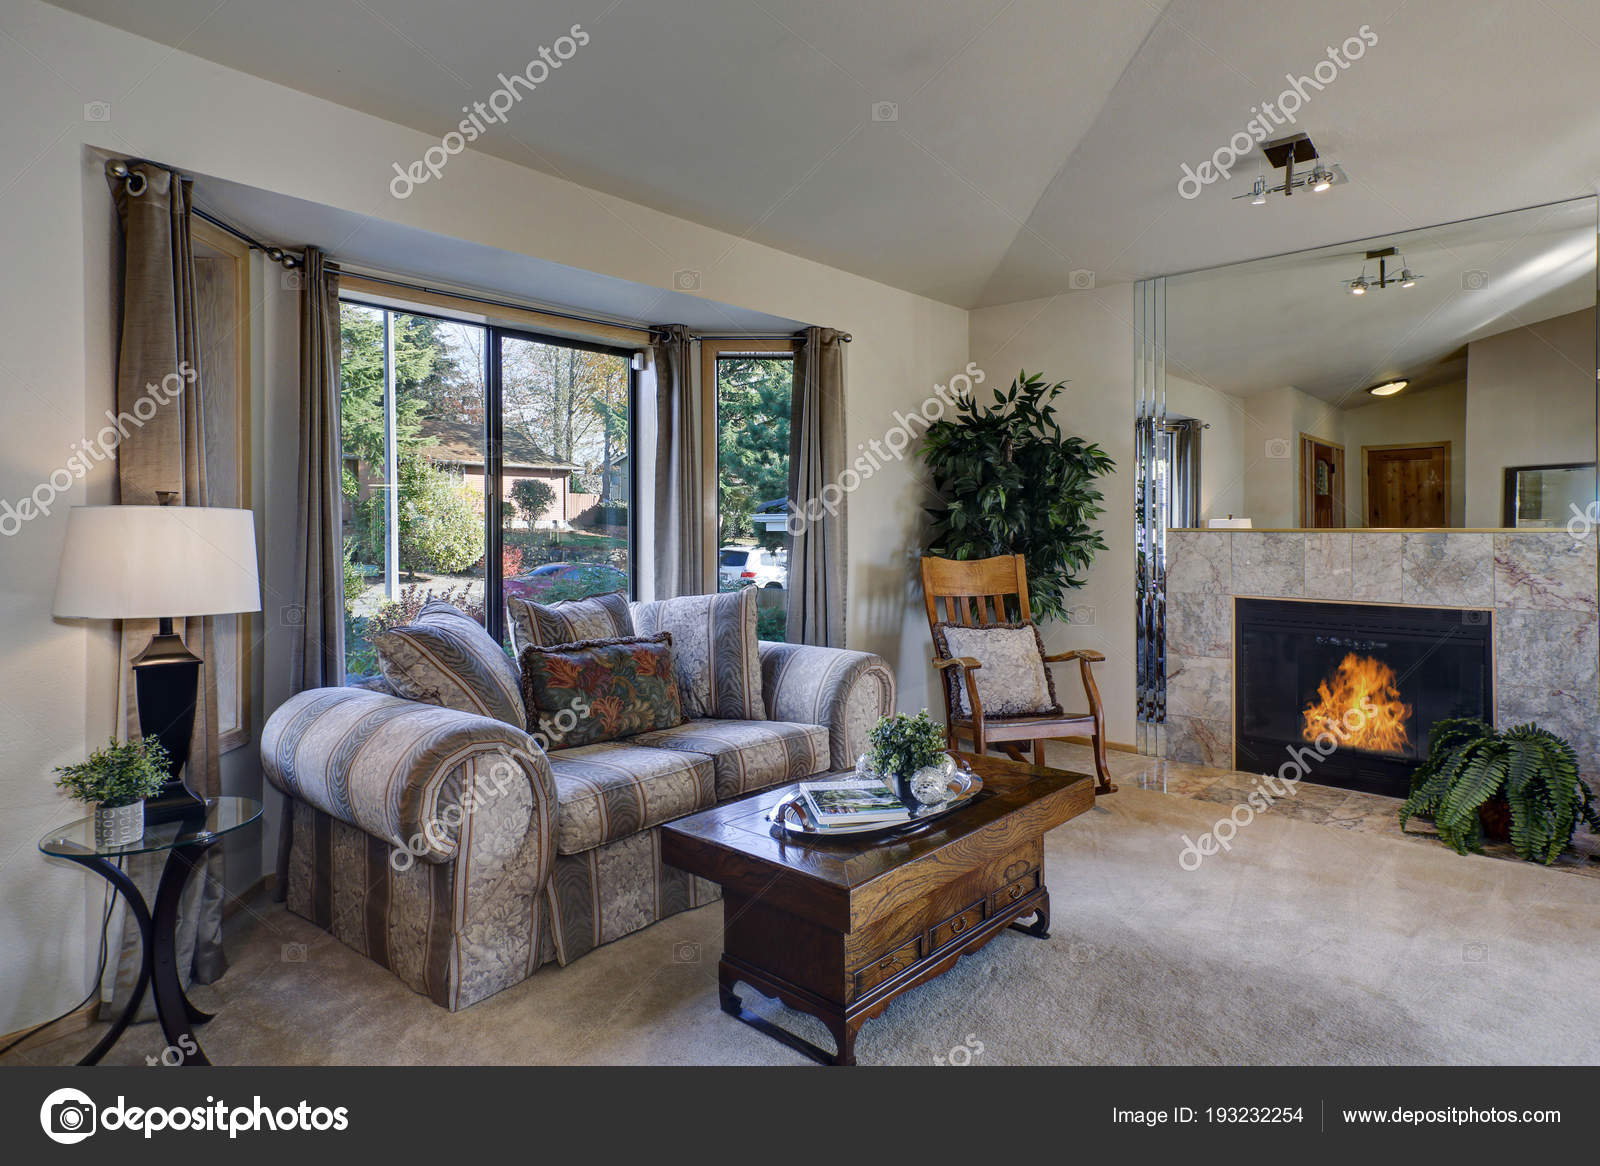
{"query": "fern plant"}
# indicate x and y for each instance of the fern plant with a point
(1469, 763)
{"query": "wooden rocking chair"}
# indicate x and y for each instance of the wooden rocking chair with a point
(974, 593)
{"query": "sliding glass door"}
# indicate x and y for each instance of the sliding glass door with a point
(478, 462)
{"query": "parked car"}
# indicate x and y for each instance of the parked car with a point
(761, 567)
(570, 578)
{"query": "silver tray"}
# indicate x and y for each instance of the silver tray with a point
(788, 813)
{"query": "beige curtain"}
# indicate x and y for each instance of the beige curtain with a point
(816, 601)
(159, 347)
(680, 529)
(317, 657)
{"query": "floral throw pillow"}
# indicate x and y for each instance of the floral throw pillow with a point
(446, 658)
(600, 617)
(599, 690)
(1013, 681)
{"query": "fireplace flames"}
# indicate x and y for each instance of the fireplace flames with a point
(1365, 686)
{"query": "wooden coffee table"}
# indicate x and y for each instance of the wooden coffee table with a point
(839, 927)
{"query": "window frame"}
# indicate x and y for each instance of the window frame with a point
(494, 431)
(713, 349)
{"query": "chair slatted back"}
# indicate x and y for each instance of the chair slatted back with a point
(974, 592)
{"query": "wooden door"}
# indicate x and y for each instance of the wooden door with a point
(1408, 486)
(1321, 483)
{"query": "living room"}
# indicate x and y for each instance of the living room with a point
(704, 306)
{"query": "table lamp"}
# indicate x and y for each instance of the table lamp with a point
(165, 563)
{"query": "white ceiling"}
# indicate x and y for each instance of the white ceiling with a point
(1291, 320)
(1033, 137)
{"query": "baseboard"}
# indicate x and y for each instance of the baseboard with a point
(1118, 746)
(266, 884)
(70, 1023)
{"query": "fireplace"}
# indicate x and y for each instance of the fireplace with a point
(1359, 684)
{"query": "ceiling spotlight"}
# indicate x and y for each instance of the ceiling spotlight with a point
(1321, 179)
(1406, 278)
(1358, 286)
(1388, 389)
(1259, 193)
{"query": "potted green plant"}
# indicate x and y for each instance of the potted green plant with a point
(115, 781)
(1010, 482)
(1479, 781)
(908, 752)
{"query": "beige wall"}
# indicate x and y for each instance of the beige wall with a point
(56, 377)
(1085, 338)
(1530, 401)
(1222, 447)
(1275, 420)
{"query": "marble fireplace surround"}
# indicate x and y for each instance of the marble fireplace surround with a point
(1541, 585)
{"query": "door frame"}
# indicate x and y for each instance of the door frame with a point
(1449, 489)
(1307, 490)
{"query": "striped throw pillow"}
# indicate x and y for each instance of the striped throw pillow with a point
(445, 658)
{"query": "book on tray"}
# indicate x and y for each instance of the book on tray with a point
(850, 803)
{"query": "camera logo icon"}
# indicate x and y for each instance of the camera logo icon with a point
(97, 111)
(685, 952)
(1474, 280)
(885, 111)
(1080, 279)
(68, 1116)
(1277, 447)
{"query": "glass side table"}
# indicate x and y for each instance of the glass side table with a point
(185, 843)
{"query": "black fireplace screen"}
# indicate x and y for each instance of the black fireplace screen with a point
(1360, 683)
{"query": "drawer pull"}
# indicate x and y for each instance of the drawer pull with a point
(1016, 891)
(888, 963)
(959, 926)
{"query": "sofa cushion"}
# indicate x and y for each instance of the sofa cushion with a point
(599, 690)
(714, 651)
(617, 788)
(600, 617)
(445, 658)
(748, 755)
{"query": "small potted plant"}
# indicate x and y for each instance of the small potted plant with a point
(1520, 786)
(115, 781)
(908, 753)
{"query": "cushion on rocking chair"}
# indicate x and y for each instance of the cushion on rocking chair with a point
(1013, 681)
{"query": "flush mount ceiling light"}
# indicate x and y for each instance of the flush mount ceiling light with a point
(1283, 154)
(1361, 284)
(1388, 389)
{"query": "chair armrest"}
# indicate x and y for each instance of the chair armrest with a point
(405, 772)
(843, 690)
(1088, 654)
(965, 663)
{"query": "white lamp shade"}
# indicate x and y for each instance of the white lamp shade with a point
(148, 562)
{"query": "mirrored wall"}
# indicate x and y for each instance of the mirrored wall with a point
(1442, 378)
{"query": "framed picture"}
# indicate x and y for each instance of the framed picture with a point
(1548, 496)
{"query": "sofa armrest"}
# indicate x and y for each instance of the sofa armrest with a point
(407, 773)
(845, 691)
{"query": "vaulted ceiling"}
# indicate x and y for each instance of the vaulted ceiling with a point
(976, 151)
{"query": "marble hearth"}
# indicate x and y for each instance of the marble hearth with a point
(1541, 585)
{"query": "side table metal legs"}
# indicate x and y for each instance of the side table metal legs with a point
(158, 949)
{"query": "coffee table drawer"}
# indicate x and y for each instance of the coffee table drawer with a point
(1013, 891)
(888, 966)
(956, 926)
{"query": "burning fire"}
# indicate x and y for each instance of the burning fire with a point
(1361, 706)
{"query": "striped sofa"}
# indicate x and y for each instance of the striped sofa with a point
(451, 849)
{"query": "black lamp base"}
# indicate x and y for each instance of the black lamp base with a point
(166, 677)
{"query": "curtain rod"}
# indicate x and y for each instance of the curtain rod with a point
(291, 258)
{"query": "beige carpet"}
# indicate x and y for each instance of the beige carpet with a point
(1306, 944)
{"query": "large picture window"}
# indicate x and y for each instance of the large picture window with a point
(478, 463)
(754, 387)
